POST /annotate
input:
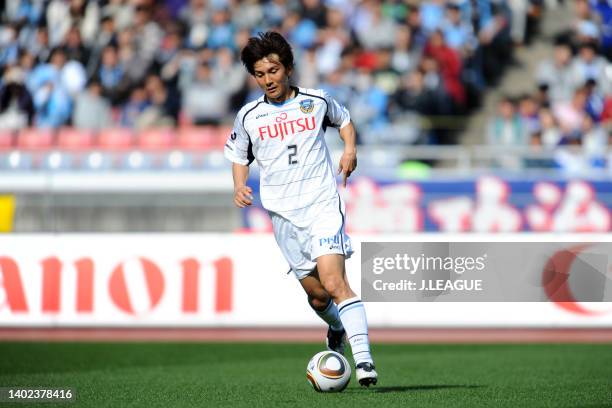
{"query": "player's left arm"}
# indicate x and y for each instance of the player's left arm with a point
(340, 118)
(348, 161)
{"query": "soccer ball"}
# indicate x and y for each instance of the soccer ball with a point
(328, 371)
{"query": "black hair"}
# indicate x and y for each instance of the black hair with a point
(263, 45)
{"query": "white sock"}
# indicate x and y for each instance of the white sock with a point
(330, 316)
(353, 316)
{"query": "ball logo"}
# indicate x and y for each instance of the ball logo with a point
(307, 105)
(331, 366)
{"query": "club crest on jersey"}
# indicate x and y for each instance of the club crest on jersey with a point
(307, 105)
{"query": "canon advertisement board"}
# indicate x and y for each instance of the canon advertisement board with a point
(225, 280)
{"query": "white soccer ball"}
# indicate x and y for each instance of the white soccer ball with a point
(328, 371)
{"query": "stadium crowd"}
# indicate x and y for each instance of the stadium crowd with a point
(572, 104)
(146, 63)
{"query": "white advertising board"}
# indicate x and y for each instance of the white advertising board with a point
(220, 280)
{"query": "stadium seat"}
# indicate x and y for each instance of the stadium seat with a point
(75, 139)
(16, 160)
(57, 161)
(156, 139)
(198, 138)
(178, 160)
(115, 139)
(35, 139)
(6, 139)
(97, 161)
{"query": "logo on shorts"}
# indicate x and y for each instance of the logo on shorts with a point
(333, 242)
(307, 105)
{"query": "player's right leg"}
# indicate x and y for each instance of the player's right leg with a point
(332, 275)
(322, 303)
(290, 241)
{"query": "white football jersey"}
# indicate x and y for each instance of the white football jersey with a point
(297, 177)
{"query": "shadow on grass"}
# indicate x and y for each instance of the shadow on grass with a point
(408, 388)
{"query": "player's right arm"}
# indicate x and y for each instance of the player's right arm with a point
(238, 149)
(243, 194)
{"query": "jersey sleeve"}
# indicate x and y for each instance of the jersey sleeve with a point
(338, 115)
(238, 148)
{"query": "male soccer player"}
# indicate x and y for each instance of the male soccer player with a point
(284, 131)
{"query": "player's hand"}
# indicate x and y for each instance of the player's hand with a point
(243, 196)
(348, 163)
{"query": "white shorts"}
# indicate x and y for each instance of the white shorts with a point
(324, 235)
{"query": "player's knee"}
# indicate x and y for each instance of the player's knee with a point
(337, 288)
(319, 303)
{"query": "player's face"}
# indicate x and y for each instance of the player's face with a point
(273, 78)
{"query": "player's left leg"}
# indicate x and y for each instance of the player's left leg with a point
(332, 275)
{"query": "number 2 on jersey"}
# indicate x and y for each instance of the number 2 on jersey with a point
(293, 152)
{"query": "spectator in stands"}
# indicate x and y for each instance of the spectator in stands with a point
(368, 106)
(594, 140)
(557, 74)
(26, 62)
(121, 12)
(405, 56)
(432, 14)
(594, 100)
(40, 46)
(91, 110)
(549, 136)
(449, 64)
(16, 105)
(164, 105)
(494, 38)
(147, 34)
(378, 31)
(228, 71)
(584, 27)
(111, 75)
(570, 114)
(205, 101)
(9, 46)
(364, 50)
(302, 33)
(315, 11)
(74, 48)
(507, 128)
(417, 31)
(51, 100)
(458, 34)
(135, 106)
(106, 37)
(414, 96)
(221, 30)
(385, 76)
(134, 64)
(603, 8)
(588, 65)
(62, 15)
(528, 110)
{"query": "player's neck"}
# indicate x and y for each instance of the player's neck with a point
(291, 93)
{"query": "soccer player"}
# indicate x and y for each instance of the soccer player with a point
(284, 131)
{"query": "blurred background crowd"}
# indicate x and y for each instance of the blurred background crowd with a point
(572, 104)
(396, 64)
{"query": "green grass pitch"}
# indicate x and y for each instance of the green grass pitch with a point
(273, 375)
